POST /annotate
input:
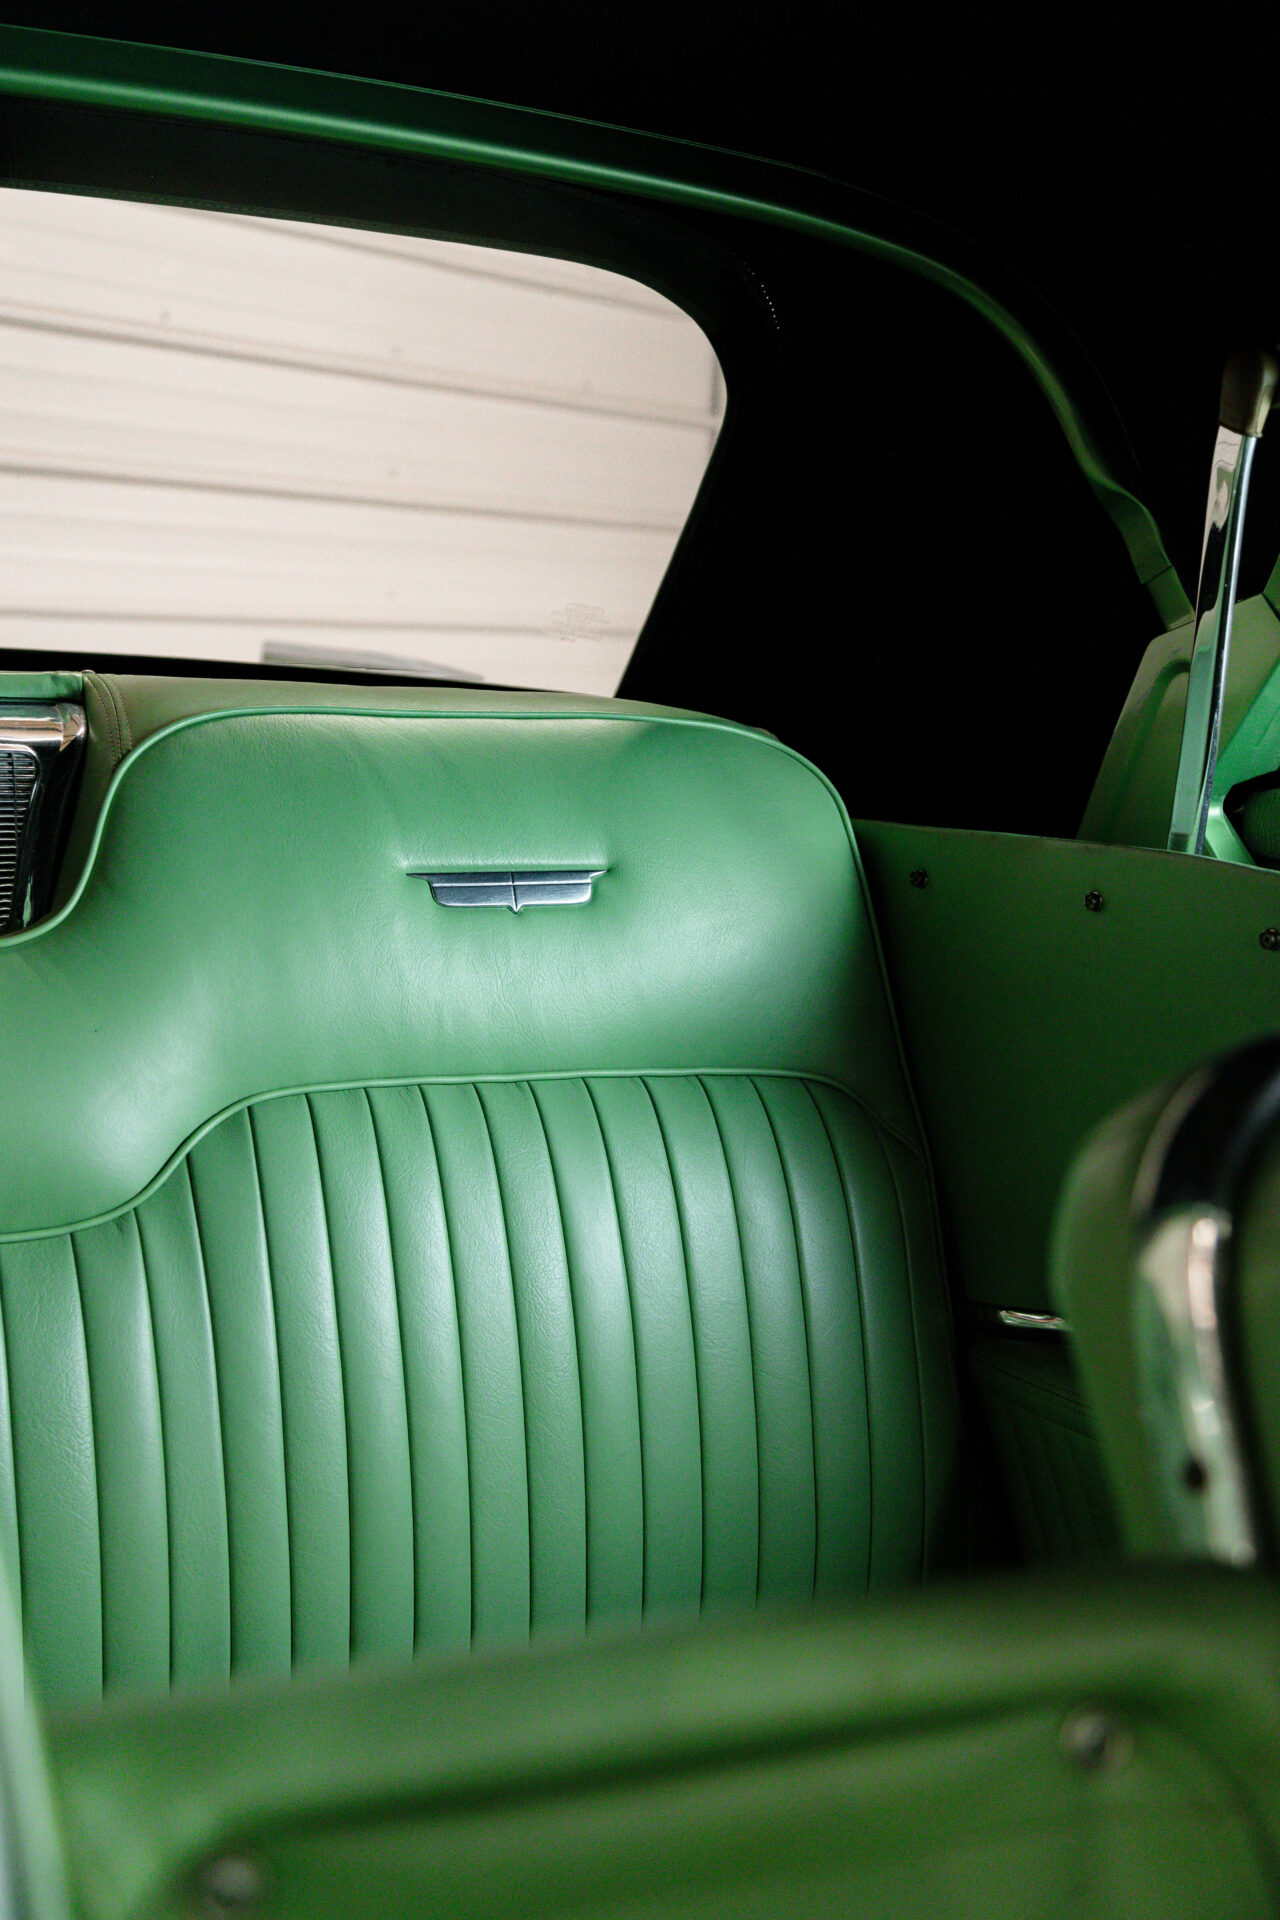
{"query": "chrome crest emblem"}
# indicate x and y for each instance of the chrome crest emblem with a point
(558, 887)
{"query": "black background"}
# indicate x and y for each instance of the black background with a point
(963, 656)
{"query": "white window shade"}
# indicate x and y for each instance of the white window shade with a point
(234, 438)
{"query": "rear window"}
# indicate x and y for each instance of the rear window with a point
(238, 439)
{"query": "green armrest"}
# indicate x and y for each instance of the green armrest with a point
(1068, 1747)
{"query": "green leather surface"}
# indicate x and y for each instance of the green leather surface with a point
(1027, 1018)
(1046, 1447)
(423, 1367)
(248, 924)
(1093, 1269)
(584, 1294)
(903, 1758)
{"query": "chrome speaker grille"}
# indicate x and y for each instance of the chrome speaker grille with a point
(40, 745)
(18, 770)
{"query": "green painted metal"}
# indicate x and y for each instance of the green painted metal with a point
(1133, 794)
(902, 1759)
(380, 114)
(1027, 1017)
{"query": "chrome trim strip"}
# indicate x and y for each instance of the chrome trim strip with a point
(1022, 1322)
(50, 736)
(551, 887)
(1185, 1390)
(1247, 386)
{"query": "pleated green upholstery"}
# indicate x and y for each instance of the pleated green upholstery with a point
(408, 1279)
(267, 1420)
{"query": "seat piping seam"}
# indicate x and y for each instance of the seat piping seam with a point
(859, 1296)
(275, 1327)
(342, 1377)
(462, 1366)
(693, 1340)
(751, 1344)
(515, 1319)
(635, 1347)
(217, 1400)
(97, 1469)
(804, 1314)
(577, 1354)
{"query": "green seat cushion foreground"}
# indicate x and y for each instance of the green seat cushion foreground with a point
(1062, 1748)
(387, 1276)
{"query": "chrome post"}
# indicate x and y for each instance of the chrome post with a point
(1248, 384)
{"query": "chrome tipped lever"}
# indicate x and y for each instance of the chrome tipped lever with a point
(1247, 388)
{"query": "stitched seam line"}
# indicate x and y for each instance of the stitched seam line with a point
(635, 1348)
(858, 1291)
(577, 1353)
(751, 1344)
(804, 1313)
(217, 1400)
(404, 1367)
(462, 1365)
(97, 1470)
(693, 1335)
(13, 1456)
(515, 1318)
(205, 1127)
(164, 1450)
(342, 1376)
(284, 1434)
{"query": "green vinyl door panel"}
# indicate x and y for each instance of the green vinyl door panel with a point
(1040, 984)
(1054, 1748)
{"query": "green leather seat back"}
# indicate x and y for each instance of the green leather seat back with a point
(385, 1277)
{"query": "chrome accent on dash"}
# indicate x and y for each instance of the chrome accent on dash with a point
(554, 887)
(1184, 1386)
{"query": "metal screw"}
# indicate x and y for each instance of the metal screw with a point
(919, 878)
(1269, 939)
(1093, 901)
(1094, 1739)
(231, 1884)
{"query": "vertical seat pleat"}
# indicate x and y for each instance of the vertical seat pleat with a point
(224, 1183)
(437, 1365)
(892, 1374)
(313, 1414)
(9, 1541)
(666, 1374)
(779, 1350)
(722, 1339)
(490, 1365)
(548, 1360)
(195, 1477)
(373, 1375)
(54, 1458)
(606, 1353)
(129, 1444)
(432, 1359)
(831, 1276)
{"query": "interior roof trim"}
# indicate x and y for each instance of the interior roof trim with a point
(76, 69)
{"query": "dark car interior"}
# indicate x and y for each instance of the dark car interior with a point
(665, 1393)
